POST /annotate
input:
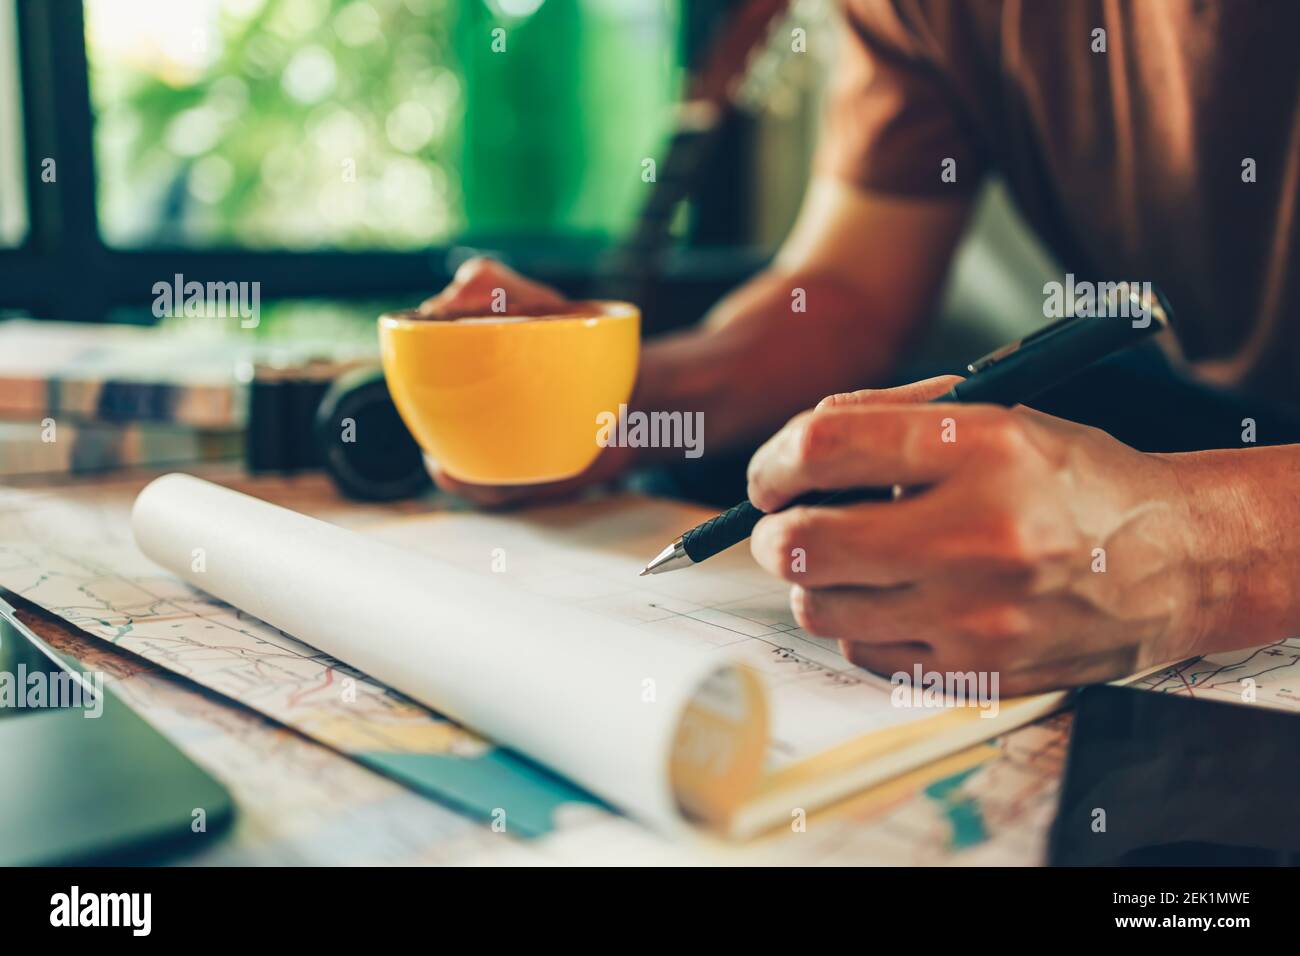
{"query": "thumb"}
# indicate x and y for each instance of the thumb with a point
(912, 393)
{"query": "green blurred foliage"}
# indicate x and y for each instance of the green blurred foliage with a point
(375, 123)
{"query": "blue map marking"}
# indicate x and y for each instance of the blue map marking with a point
(961, 810)
(529, 795)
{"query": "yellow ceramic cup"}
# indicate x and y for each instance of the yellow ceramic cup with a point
(508, 400)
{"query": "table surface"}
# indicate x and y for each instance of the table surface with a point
(302, 803)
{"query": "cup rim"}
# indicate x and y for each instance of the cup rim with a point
(608, 309)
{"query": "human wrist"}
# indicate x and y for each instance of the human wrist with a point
(684, 374)
(1239, 549)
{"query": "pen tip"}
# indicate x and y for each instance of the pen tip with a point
(673, 556)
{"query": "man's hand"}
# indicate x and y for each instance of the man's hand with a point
(478, 285)
(473, 291)
(1035, 547)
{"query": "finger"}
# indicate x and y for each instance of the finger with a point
(888, 659)
(962, 622)
(856, 446)
(869, 615)
(945, 615)
(509, 496)
(874, 544)
(921, 391)
(607, 466)
(471, 283)
(483, 285)
(486, 496)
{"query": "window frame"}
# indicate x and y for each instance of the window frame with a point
(64, 270)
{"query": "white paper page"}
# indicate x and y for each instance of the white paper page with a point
(588, 555)
(557, 682)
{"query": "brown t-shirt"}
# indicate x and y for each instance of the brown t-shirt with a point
(1131, 163)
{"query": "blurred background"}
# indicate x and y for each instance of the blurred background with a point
(346, 155)
(367, 124)
(283, 128)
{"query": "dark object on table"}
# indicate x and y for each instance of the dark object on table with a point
(363, 443)
(1159, 779)
(82, 786)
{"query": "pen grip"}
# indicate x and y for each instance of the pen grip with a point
(737, 523)
(721, 532)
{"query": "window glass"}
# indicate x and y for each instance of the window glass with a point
(374, 123)
(13, 199)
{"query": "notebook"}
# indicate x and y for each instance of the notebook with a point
(689, 699)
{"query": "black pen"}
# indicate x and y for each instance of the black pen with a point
(1013, 374)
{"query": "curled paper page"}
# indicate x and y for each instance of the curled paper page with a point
(564, 686)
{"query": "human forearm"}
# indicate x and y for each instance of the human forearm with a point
(1242, 517)
(756, 361)
(855, 279)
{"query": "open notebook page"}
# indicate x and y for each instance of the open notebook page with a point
(589, 555)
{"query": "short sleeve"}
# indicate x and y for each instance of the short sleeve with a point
(892, 121)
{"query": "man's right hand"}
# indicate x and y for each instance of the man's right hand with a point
(476, 287)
